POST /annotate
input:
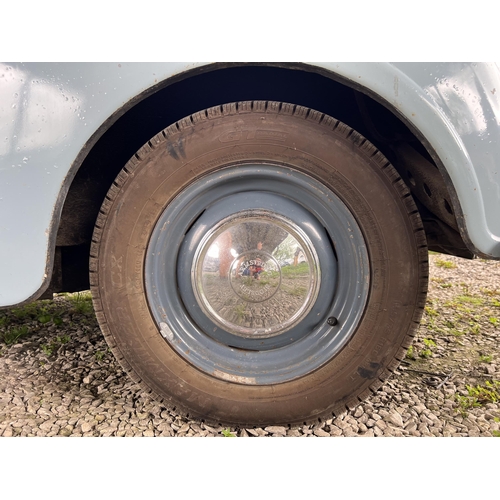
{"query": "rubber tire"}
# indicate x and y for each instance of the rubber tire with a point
(310, 142)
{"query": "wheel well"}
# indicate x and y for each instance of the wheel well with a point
(218, 85)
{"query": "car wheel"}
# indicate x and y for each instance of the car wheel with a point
(259, 263)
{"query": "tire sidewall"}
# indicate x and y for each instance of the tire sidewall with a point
(346, 165)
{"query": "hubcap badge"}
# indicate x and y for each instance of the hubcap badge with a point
(255, 276)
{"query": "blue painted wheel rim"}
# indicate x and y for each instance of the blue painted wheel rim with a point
(311, 209)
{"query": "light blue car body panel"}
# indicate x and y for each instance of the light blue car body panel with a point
(49, 112)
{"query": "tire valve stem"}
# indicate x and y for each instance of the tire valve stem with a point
(166, 332)
(332, 321)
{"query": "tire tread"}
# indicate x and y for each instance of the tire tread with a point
(277, 108)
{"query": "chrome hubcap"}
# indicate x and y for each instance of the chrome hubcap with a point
(256, 274)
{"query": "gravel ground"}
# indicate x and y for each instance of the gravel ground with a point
(57, 377)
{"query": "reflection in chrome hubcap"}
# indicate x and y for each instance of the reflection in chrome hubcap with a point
(256, 274)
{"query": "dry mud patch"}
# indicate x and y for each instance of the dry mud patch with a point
(58, 378)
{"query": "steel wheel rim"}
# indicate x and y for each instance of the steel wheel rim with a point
(180, 236)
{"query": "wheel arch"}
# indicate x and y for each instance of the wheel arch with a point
(308, 85)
